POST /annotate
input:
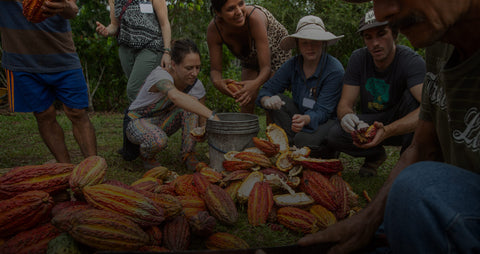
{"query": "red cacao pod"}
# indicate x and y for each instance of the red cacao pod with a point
(235, 165)
(260, 203)
(259, 159)
(192, 205)
(297, 220)
(50, 178)
(324, 166)
(202, 224)
(32, 241)
(105, 230)
(88, 172)
(225, 241)
(32, 10)
(176, 234)
(220, 205)
(133, 205)
(319, 188)
(24, 211)
(270, 149)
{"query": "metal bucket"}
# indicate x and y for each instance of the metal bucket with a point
(234, 132)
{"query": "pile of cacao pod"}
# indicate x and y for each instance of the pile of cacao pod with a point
(47, 207)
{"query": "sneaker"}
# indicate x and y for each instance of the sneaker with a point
(190, 159)
(369, 167)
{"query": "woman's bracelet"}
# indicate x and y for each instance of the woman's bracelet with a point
(212, 116)
(167, 51)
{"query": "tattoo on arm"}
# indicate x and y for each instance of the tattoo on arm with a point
(164, 86)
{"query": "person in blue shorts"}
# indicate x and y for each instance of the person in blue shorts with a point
(42, 66)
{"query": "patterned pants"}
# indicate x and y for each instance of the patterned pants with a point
(152, 133)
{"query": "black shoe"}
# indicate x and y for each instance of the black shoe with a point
(129, 151)
(369, 167)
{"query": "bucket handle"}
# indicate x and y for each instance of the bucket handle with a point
(216, 148)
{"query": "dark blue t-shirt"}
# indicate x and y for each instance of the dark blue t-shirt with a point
(44, 47)
(381, 90)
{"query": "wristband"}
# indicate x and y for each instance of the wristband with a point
(166, 51)
(212, 116)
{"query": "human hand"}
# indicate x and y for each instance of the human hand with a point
(349, 122)
(222, 86)
(54, 7)
(247, 93)
(273, 102)
(298, 121)
(166, 61)
(380, 135)
(105, 31)
(101, 29)
(345, 236)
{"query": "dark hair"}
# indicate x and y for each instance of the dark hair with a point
(216, 5)
(394, 30)
(183, 47)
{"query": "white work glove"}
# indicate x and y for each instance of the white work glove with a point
(362, 125)
(349, 122)
(273, 102)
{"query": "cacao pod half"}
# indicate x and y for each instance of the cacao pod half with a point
(32, 10)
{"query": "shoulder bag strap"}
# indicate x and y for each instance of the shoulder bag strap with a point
(123, 10)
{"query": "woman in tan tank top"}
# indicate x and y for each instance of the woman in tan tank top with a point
(252, 34)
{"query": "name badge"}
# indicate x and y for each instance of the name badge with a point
(146, 7)
(308, 103)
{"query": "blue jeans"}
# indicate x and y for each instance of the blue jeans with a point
(434, 207)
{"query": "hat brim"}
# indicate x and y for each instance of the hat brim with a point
(375, 24)
(289, 42)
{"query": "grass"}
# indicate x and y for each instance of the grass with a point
(20, 144)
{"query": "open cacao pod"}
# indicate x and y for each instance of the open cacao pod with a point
(32, 10)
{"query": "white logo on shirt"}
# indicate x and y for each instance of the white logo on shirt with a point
(436, 93)
(471, 135)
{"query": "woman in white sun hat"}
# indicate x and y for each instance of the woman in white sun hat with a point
(315, 80)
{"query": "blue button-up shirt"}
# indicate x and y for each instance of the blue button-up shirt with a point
(326, 82)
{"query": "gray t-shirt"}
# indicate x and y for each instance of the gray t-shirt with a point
(160, 101)
(380, 91)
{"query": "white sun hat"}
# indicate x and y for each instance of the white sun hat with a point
(310, 28)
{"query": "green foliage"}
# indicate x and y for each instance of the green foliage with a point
(99, 57)
(189, 19)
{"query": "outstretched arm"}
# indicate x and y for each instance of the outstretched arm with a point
(112, 28)
(357, 231)
(181, 99)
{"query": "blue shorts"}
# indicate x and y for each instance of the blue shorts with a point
(36, 92)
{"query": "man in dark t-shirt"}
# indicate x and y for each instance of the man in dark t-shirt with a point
(388, 78)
